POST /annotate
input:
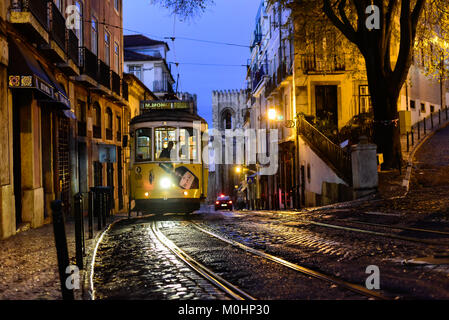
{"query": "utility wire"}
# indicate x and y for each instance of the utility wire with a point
(170, 38)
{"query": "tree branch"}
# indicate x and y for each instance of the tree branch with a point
(345, 28)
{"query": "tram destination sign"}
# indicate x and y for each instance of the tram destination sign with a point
(166, 105)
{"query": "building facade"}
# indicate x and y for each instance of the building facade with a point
(67, 104)
(147, 60)
(316, 84)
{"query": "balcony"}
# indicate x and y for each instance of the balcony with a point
(162, 87)
(115, 83)
(125, 93)
(31, 18)
(108, 134)
(56, 49)
(72, 46)
(88, 67)
(96, 132)
(104, 74)
(258, 77)
(82, 129)
(314, 63)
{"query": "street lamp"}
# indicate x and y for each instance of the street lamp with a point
(272, 114)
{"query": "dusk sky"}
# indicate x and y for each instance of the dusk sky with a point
(230, 21)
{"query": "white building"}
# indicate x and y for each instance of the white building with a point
(146, 59)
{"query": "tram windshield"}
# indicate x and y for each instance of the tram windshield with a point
(169, 144)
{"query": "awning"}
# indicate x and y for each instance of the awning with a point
(26, 72)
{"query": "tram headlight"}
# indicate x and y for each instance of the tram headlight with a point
(166, 183)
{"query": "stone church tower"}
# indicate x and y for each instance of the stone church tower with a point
(229, 108)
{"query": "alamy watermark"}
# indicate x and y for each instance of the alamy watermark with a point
(72, 281)
(372, 22)
(73, 21)
(373, 281)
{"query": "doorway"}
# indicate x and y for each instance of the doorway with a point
(327, 104)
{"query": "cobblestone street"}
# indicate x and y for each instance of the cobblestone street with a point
(340, 241)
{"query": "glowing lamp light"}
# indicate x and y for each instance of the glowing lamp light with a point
(147, 194)
(272, 114)
(238, 169)
(186, 193)
(166, 183)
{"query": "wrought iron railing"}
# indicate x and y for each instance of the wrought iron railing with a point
(323, 63)
(104, 74)
(88, 63)
(38, 8)
(57, 26)
(334, 154)
(125, 90)
(258, 76)
(72, 46)
(115, 83)
(162, 86)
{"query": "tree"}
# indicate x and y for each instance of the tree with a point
(400, 21)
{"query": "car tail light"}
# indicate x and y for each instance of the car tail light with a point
(230, 202)
(218, 202)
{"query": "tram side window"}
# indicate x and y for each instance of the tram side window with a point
(188, 139)
(165, 142)
(143, 146)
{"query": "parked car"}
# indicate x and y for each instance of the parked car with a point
(223, 203)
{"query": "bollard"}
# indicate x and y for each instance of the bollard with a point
(424, 127)
(98, 208)
(61, 248)
(408, 142)
(413, 137)
(439, 116)
(419, 132)
(431, 120)
(91, 215)
(78, 232)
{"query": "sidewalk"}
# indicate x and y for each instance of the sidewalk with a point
(28, 263)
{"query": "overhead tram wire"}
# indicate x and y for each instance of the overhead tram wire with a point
(170, 38)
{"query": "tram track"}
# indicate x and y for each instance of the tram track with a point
(301, 269)
(228, 288)
(383, 234)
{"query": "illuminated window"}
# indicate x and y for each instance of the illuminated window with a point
(165, 142)
(107, 48)
(364, 99)
(188, 144)
(94, 36)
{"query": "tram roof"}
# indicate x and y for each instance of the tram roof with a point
(167, 115)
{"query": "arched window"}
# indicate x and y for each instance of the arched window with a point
(227, 120)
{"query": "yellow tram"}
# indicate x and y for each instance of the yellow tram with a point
(167, 169)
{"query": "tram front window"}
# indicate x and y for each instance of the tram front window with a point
(165, 142)
(143, 146)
